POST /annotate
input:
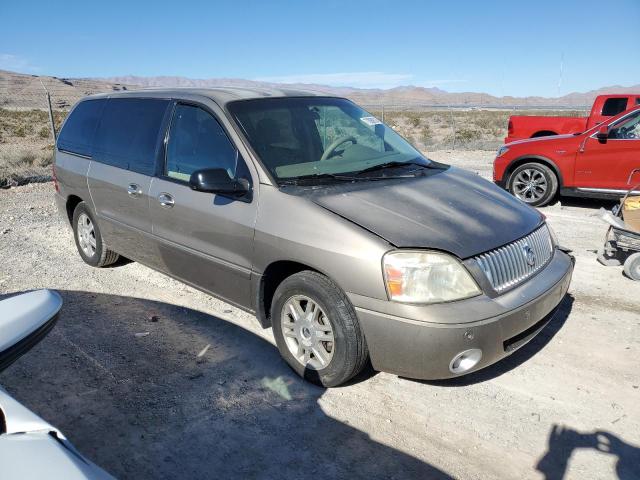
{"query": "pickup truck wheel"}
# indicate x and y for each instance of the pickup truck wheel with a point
(89, 242)
(316, 329)
(534, 183)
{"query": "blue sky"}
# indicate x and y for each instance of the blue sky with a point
(500, 47)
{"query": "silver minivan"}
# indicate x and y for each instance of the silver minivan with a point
(310, 213)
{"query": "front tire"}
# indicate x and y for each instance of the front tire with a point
(534, 183)
(88, 239)
(316, 329)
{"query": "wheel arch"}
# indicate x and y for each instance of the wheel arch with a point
(268, 282)
(533, 159)
(71, 204)
(543, 133)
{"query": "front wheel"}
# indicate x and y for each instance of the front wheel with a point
(316, 329)
(534, 183)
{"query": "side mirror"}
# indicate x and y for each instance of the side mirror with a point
(24, 321)
(603, 133)
(217, 180)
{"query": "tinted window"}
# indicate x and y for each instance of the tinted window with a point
(197, 141)
(128, 133)
(78, 131)
(626, 129)
(614, 106)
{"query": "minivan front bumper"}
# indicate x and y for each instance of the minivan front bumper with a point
(422, 341)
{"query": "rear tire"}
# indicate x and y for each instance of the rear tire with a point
(292, 314)
(533, 183)
(89, 242)
(632, 266)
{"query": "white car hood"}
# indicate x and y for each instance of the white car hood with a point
(33, 449)
(22, 315)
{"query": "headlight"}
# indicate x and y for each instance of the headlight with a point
(426, 277)
(502, 151)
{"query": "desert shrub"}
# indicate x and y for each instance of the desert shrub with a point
(466, 135)
(426, 134)
(414, 119)
(43, 132)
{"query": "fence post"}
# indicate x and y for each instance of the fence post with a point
(453, 127)
(382, 119)
(51, 122)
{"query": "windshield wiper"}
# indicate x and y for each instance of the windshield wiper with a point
(358, 178)
(318, 176)
(304, 179)
(386, 165)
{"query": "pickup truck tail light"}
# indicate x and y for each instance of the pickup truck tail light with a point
(510, 127)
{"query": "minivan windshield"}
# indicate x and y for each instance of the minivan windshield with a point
(319, 137)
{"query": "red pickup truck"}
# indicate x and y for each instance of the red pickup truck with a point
(602, 162)
(604, 107)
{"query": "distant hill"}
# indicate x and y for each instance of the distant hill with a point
(18, 90)
(399, 95)
(26, 91)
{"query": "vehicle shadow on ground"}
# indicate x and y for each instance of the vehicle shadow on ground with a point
(563, 441)
(585, 202)
(518, 357)
(152, 390)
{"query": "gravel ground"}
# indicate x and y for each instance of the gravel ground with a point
(152, 379)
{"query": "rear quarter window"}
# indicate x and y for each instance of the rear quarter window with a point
(614, 106)
(79, 129)
(128, 134)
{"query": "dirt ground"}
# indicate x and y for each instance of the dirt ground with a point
(121, 376)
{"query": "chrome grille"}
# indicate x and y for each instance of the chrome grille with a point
(512, 264)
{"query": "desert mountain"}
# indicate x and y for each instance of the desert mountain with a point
(26, 91)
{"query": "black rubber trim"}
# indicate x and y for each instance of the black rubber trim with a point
(523, 337)
(14, 352)
(3, 423)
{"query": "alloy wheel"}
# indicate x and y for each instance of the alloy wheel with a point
(307, 332)
(86, 235)
(530, 185)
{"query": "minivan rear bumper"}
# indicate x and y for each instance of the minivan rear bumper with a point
(426, 349)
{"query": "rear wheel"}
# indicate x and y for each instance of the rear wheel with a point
(89, 242)
(534, 183)
(316, 329)
(632, 266)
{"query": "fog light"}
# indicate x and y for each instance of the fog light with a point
(465, 361)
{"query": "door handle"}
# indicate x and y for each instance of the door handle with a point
(134, 190)
(166, 200)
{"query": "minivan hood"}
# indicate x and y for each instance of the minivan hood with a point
(452, 210)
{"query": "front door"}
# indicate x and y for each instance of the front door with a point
(603, 165)
(202, 238)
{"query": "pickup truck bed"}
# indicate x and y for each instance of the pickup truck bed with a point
(604, 107)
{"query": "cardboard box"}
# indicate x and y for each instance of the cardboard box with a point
(631, 212)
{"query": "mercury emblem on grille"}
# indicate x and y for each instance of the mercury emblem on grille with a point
(529, 255)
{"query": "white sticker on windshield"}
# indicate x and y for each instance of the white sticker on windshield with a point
(371, 121)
